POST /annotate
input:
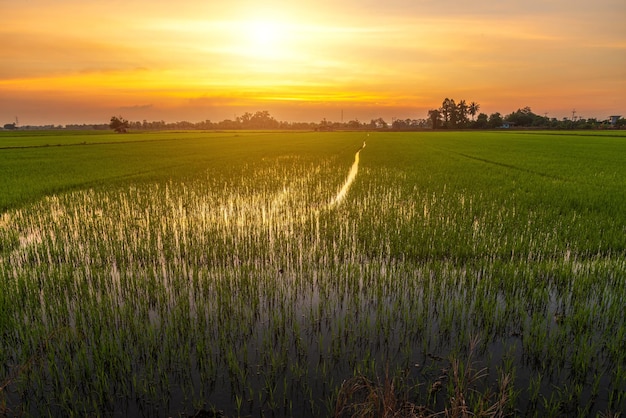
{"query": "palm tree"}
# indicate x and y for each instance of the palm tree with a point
(473, 109)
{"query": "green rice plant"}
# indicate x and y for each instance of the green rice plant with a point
(211, 281)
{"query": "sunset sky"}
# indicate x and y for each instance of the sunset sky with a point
(83, 61)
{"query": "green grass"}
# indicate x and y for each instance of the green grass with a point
(170, 272)
(549, 179)
(45, 163)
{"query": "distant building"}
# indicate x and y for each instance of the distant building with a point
(507, 125)
(613, 119)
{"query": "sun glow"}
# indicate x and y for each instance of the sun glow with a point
(391, 60)
(266, 39)
(264, 33)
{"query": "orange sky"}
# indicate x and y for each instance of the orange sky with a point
(76, 61)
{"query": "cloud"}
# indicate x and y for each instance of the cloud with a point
(137, 107)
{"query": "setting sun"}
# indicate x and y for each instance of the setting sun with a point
(263, 39)
(264, 33)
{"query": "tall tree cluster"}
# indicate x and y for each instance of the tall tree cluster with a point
(258, 120)
(452, 115)
(461, 115)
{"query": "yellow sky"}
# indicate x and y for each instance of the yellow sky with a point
(75, 61)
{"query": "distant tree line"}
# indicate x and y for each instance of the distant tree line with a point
(453, 115)
(258, 120)
(450, 115)
(263, 120)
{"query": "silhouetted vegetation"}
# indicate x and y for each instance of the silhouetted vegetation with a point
(452, 115)
(119, 124)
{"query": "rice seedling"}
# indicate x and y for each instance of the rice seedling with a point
(248, 286)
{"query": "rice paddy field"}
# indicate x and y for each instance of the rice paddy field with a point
(313, 274)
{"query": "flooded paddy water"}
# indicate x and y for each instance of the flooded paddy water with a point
(252, 296)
